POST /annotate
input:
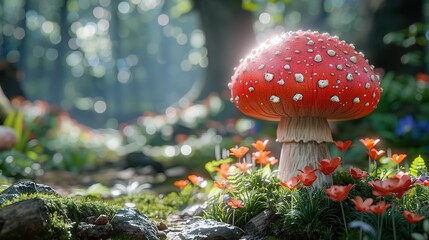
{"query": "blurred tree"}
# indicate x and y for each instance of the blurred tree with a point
(229, 36)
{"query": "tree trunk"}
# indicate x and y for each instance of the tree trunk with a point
(229, 35)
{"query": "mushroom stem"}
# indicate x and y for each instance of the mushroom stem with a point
(304, 144)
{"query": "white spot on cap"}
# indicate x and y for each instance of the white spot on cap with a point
(340, 67)
(335, 99)
(251, 89)
(288, 59)
(323, 83)
(310, 50)
(261, 66)
(367, 85)
(281, 82)
(352, 46)
(299, 77)
(274, 99)
(356, 100)
(231, 100)
(297, 97)
(318, 58)
(367, 104)
(372, 78)
(277, 53)
(349, 77)
(373, 95)
(286, 67)
(365, 69)
(229, 85)
(237, 98)
(310, 43)
(353, 59)
(268, 77)
(331, 53)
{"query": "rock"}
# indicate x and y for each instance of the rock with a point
(259, 224)
(130, 222)
(24, 219)
(89, 231)
(250, 237)
(25, 187)
(161, 226)
(207, 229)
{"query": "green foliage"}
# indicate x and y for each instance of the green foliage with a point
(15, 120)
(309, 217)
(418, 167)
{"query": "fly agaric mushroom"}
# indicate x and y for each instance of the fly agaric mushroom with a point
(303, 79)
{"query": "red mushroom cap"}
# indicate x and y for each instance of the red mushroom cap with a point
(305, 74)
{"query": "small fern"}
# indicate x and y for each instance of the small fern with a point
(418, 166)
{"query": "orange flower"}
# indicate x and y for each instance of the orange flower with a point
(291, 184)
(338, 193)
(308, 176)
(426, 183)
(342, 146)
(398, 158)
(195, 179)
(221, 185)
(261, 157)
(243, 166)
(234, 203)
(369, 143)
(361, 205)
(412, 217)
(379, 208)
(181, 183)
(272, 161)
(358, 173)
(259, 145)
(239, 152)
(374, 154)
(328, 166)
(397, 185)
(223, 170)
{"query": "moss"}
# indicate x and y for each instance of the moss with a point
(65, 212)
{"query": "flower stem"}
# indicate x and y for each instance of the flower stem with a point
(393, 220)
(344, 219)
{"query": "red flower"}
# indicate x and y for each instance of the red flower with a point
(243, 166)
(358, 173)
(343, 146)
(338, 193)
(223, 170)
(328, 166)
(221, 185)
(379, 208)
(308, 176)
(259, 145)
(412, 217)
(426, 183)
(397, 185)
(374, 154)
(239, 152)
(422, 77)
(181, 183)
(291, 184)
(195, 179)
(234, 203)
(361, 205)
(369, 142)
(398, 158)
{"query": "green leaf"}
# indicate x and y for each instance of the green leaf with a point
(417, 166)
(212, 165)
